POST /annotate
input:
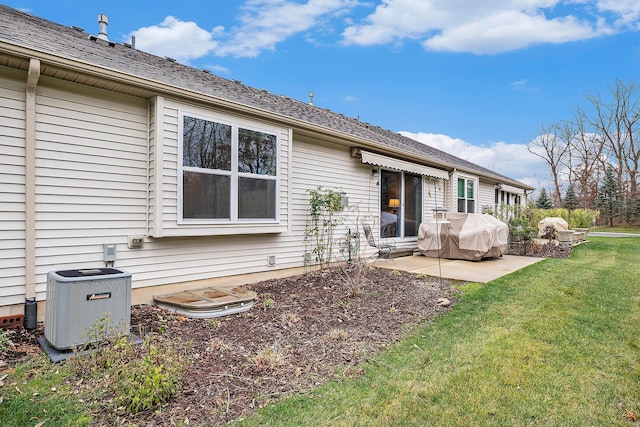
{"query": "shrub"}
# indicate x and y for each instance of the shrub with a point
(136, 377)
(149, 380)
(577, 218)
(521, 229)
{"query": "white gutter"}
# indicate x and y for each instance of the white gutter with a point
(30, 179)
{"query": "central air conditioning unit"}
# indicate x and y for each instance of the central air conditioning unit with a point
(78, 299)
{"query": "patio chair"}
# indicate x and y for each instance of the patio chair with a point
(383, 248)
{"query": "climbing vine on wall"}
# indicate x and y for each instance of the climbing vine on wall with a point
(324, 203)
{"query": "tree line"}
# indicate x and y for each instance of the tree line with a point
(593, 157)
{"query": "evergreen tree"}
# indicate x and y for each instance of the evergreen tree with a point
(570, 201)
(543, 202)
(635, 210)
(609, 199)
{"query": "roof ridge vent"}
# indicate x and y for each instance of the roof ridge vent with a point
(103, 20)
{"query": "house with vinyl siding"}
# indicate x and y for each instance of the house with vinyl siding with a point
(192, 179)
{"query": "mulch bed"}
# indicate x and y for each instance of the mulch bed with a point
(302, 331)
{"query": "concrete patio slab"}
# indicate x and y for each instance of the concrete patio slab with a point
(471, 271)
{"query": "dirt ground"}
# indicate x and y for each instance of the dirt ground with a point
(301, 332)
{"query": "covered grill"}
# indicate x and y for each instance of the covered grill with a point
(464, 236)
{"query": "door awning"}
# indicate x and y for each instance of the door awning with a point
(510, 189)
(391, 163)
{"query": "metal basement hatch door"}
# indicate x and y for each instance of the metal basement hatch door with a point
(208, 302)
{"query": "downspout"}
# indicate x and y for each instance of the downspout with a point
(30, 308)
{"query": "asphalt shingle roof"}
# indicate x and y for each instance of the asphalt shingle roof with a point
(26, 31)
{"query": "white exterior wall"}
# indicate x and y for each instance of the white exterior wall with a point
(12, 187)
(486, 196)
(320, 164)
(435, 194)
(91, 176)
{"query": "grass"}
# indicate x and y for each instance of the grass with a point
(37, 393)
(617, 229)
(554, 344)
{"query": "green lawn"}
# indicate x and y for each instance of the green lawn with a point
(555, 344)
(617, 229)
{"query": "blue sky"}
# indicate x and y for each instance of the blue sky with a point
(477, 78)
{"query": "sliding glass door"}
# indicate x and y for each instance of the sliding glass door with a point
(400, 204)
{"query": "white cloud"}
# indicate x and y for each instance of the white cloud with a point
(177, 39)
(506, 31)
(487, 27)
(628, 11)
(511, 160)
(481, 27)
(264, 23)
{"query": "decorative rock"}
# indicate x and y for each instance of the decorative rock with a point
(443, 302)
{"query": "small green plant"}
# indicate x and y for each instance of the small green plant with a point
(268, 302)
(5, 340)
(214, 323)
(102, 331)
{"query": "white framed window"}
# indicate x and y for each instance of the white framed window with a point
(467, 190)
(228, 171)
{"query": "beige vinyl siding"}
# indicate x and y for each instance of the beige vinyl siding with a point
(434, 195)
(320, 164)
(315, 164)
(12, 187)
(448, 187)
(486, 196)
(91, 179)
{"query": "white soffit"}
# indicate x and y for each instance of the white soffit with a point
(510, 189)
(391, 163)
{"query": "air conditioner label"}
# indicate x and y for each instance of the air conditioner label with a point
(102, 295)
